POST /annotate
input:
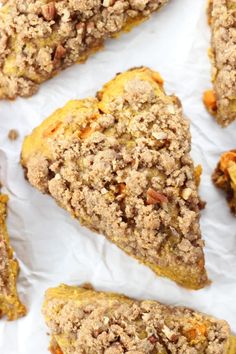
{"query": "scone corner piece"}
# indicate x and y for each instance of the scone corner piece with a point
(85, 321)
(224, 177)
(221, 100)
(10, 305)
(120, 164)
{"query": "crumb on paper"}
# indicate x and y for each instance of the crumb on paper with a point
(13, 134)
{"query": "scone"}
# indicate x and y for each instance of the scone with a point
(40, 38)
(224, 177)
(120, 164)
(221, 101)
(10, 305)
(82, 320)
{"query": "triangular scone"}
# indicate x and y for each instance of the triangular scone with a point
(84, 321)
(120, 163)
(221, 101)
(10, 304)
(40, 38)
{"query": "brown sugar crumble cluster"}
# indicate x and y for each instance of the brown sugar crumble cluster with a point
(221, 102)
(10, 304)
(120, 163)
(224, 177)
(40, 38)
(86, 321)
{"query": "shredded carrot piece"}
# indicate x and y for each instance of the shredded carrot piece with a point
(86, 132)
(201, 263)
(201, 329)
(209, 99)
(197, 174)
(225, 160)
(157, 77)
(56, 350)
(52, 129)
(191, 334)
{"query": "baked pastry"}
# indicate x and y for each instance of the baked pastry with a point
(120, 163)
(40, 38)
(10, 304)
(221, 101)
(82, 320)
(224, 177)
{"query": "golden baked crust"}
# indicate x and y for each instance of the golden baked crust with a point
(85, 321)
(221, 102)
(40, 38)
(224, 177)
(120, 163)
(10, 304)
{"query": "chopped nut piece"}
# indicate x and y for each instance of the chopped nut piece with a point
(49, 11)
(87, 286)
(60, 52)
(160, 135)
(186, 193)
(104, 191)
(171, 109)
(106, 320)
(81, 29)
(168, 332)
(154, 197)
(13, 134)
(121, 187)
(107, 3)
(153, 339)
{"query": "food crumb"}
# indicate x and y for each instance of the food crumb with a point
(13, 134)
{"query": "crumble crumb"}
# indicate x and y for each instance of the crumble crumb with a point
(13, 134)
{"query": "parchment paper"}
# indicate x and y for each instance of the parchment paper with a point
(52, 247)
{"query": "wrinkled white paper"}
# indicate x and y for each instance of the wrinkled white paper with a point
(52, 247)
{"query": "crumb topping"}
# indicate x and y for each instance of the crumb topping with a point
(222, 19)
(115, 325)
(39, 38)
(131, 178)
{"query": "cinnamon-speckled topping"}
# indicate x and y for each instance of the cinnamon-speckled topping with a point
(127, 174)
(85, 321)
(39, 38)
